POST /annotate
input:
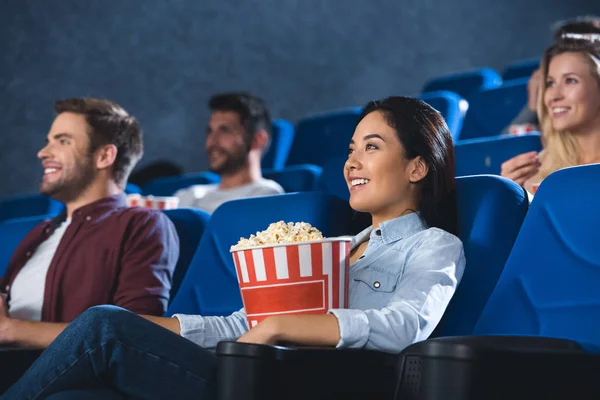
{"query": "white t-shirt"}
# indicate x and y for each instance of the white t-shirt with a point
(209, 197)
(27, 290)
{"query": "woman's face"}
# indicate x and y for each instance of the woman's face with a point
(572, 96)
(377, 172)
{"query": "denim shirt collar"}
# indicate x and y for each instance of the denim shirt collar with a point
(392, 230)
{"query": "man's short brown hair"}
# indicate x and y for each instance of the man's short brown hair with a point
(109, 123)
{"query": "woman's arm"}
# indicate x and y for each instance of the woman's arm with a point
(309, 330)
(430, 278)
(419, 300)
(171, 324)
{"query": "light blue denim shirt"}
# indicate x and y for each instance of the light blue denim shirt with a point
(399, 290)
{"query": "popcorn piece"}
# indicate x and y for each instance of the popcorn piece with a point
(280, 232)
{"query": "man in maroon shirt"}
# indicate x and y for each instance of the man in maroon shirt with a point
(99, 251)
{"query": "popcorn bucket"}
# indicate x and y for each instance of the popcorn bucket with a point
(295, 278)
(157, 203)
(522, 129)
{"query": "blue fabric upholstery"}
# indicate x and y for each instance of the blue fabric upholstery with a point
(210, 286)
(332, 178)
(323, 136)
(190, 224)
(449, 105)
(486, 155)
(132, 188)
(296, 178)
(28, 206)
(549, 286)
(520, 69)
(282, 136)
(168, 186)
(320, 137)
(490, 111)
(465, 83)
(12, 231)
(491, 210)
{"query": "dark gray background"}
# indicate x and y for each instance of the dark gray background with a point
(162, 59)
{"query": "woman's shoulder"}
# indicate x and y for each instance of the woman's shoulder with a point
(431, 237)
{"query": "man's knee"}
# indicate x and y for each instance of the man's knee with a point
(102, 316)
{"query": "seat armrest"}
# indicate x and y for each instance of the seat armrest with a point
(454, 368)
(13, 364)
(251, 371)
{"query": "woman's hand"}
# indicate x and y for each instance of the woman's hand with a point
(263, 333)
(307, 330)
(521, 167)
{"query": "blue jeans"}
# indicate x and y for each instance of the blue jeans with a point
(110, 349)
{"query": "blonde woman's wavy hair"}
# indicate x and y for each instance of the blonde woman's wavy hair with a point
(560, 147)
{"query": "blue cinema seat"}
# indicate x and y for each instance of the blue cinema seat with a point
(538, 336)
(491, 210)
(190, 224)
(332, 178)
(296, 178)
(29, 205)
(451, 106)
(490, 111)
(520, 69)
(168, 186)
(132, 188)
(323, 136)
(282, 136)
(210, 286)
(486, 155)
(465, 83)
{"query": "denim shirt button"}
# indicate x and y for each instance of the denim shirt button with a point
(361, 257)
(378, 232)
(376, 284)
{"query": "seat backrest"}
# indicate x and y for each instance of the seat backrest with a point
(282, 136)
(323, 136)
(190, 224)
(490, 111)
(491, 210)
(210, 286)
(168, 186)
(486, 155)
(520, 69)
(30, 205)
(465, 83)
(451, 106)
(332, 178)
(296, 178)
(550, 284)
(132, 188)
(12, 232)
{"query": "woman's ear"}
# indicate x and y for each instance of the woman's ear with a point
(417, 169)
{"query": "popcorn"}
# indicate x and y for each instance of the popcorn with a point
(280, 232)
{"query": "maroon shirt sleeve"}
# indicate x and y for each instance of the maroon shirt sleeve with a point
(150, 253)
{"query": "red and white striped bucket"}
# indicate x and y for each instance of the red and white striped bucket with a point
(154, 202)
(522, 129)
(299, 278)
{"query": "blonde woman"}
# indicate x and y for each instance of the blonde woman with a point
(568, 108)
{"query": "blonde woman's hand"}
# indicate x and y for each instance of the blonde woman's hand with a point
(521, 167)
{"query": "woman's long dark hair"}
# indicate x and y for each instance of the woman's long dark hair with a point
(423, 132)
